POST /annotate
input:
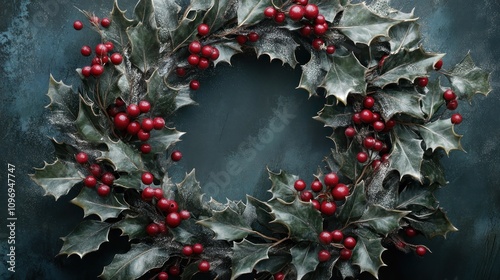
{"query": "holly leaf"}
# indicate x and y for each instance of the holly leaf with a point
(355, 204)
(113, 83)
(348, 167)
(347, 269)
(85, 238)
(227, 225)
(277, 43)
(132, 226)
(432, 99)
(123, 157)
(161, 140)
(63, 105)
(130, 180)
(314, 71)
(105, 207)
(407, 154)
(467, 79)
(396, 101)
(328, 8)
(345, 76)
(186, 232)
(259, 212)
(140, 259)
(116, 32)
(145, 44)
(323, 271)
(368, 252)
(303, 221)
(404, 35)
(189, 194)
(251, 12)
(187, 28)
(166, 15)
(406, 64)
(219, 13)
(226, 51)
(283, 185)
(440, 134)
(383, 188)
(87, 123)
(432, 170)
(274, 264)
(416, 194)
(305, 257)
(433, 225)
(362, 25)
(334, 116)
(381, 219)
(57, 178)
(246, 255)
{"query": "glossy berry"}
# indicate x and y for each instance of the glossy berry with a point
(279, 17)
(203, 29)
(337, 236)
(176, 155)
(270, 12)
(174, 270)
(449, 95)
(330, 49)
(147, 124)
(279, 276)
(306, 30)
(108, 178)
(158, 193)
(378, 126)
(163, 227)
(163, 204)
(77, 25)
(197, 248)
(456, 118)
(390, 124)
(86, 50)
(185, 214)
(452, 105)
(144, 106)
(133, 110)
(147, 178)
(187, 250)
(101, 50)
(300, 185)
(350, 132)
(148, 193)
(109, 45)
(345, 254)
(105, 22)
(324, 256)
(194, 47)
(369, 142)
(96, 70)
(121, 121)
(301, 2)
(331, 179)
(173, 220)
(172, 206)
(158, 123)
(328, 208)
(96, 60)
(241, 39)
(316, 204)
(306, 196)
(316, 186)
(143, 135)
(320, 29)
(422, 82)
(82, 158)
(162, 276)
(90, 181)
(145, 148)
(116, 58)
(420, 250)
(193, 60)
(133, 128)
(366, 116)
(376, 163)
(368, 102)
(204, 266)
(194, 85)
(311, 12)
(95, 170)
(410, 232)
(204, 63)
(350, 242)
(320, 19)
(253, 37)
(103, 190)
(152, 229)
(86, 71)
(104, 59)
(378, 146)
(215, 53)
(438, 65)
(325, 237)
(376, 117)
(317, 43)
(296, 12)
(340, 191)
(362, 157)
(180, 71)
(206, 51)
(356, 118)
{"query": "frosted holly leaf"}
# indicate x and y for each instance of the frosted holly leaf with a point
(85, 238)
(399, 101)
(219, 13)
(189, 194)
(368, 252)
(283, 185)
(334, 116)
(123, 157)
(145, 46)
(277, 43)
(314, 71)
(436, 224)
(433, 171)
(116, 32)
(467, 79)
(87, 123)
(187, 29)
(160, 95)
(259, 213)
(361, 25)
(345, 76)
(407, 154)
(106, 207)
(226, 51)
(251, 12)
(132, 226)
(440, 134)
(405, 35)
(347, 270)
(305, 257)
(227, 225)
(63, 105)
(383, 188)
(246, 255)
(57, 178)
(328, 8)
(274, 264)
(144, 12)
(161, 140)
(113, 83)
(164, 15)
(432, 99)
(382, 8)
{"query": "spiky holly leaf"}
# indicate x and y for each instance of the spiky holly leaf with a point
(85, 238)
(432, 99)
(383, 188)
(259, 212)
(63, 105)
(190, 270)
(226, 51)
(341, 144)
(404, 35)
(334, 116)
(324, 270)
(406, 64)
(368, 252)
(274, 264)
(348, 167)
(396, 101)
(140, 259)
(87, 123)
(416, 194)
(130, 180)
(433, 171)
(283, 185)
(246, 255)
(406, 155)
(354, 206)
(314, 71)
(113, 83)
(382, 8)
(305, 257)
(105, 207)
(186, 232)
(303, 221)
(132, 226)
(362, 25)
(187, 28)
(440, 134)
(161, 140)
(57, 178)
(467, 79)
(328, 8)
(189, 194)
(220, 13)
(381, 219)
(145, 46)
(227, 225)
(347, 269)
(166, 16)
(251, 12)
(277, 43)
(116, 32)
(63, 151)
(346, 75)
(433, 225)
(123, 157)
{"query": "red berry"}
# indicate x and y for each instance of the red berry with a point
(103, 190)
(423, 81)
(108, 178)
(270, 12)
(385, 158)
(456, 118)
(194, 47)
(366, 116)
(328, 208)
(410, 232)
(86, 71)
(340, 191)
(296, 12)
(96, 61)
(337, 236)
(378, 146)
(452, 105)
(86, 50)
(116, 58)
(187, 250)
(325, 237)
(101, 50)
(330, 49)
(105, 22)
(438, 65)
(158, 123)
(241, 39)
(317, 43)
(279, 276)
(90, 181)
(82, 158)
(420, 250)
(320, 19)
(173, 207)
(133, 128)
(203, 29)
(133, 110)
(331, 179)
(78, 25)
(176, 155)
(147, 178)
(378, 126)
(350, 242)
(144, 106)
(376, 117)
(96, 170)
(316, 204)
(368, 102)
(311, 12)
(306, 196)
(206, 51)
(324, 256)
(215, 53)
(320, 29)
(181, 72)
(145, 148)
(350, 132)
(162, 227)
(152, 229)
(158, 193)
(316, 186)
(369, 142)
(194, 85)
(204, 63)
(376, 163)
(147, 124)
(204, 266)
(174, 270)
(390, 124)
(109, 45)
(143, 135)
(356, 118)
(306, 30)
(449, 95)
(162, 276)
(253, 37)
(300, 185)
(279, 17)
(173, 219)
(301, 2)
(96, 70)
(119, 102)
(193, 59)
(148, 193)
(362, 157)
(197, 248)
(345, 254)
(121, 121)
(185, 214)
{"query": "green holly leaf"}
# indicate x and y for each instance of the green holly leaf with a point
(105, 207)
(354, 206)
(397, 101)
(334, 116)
(328, 8)
(440, 134)
(259, 212)
(404, 35)
(251, 12)
(314, 71)
(368, 252)
(63, 105)
(324, 270)
(85, 238)
(348, 167)
(140, 259)
(246, 255)
(186, 232)
(113, 83)
(116, 32)
(274, 264)
(341, 145)
(416, 194)
(161, 140)
(220, 13)
(467, 79)
(305, 257)
(277, 43)
(345, 76)
(57, 178)
(347, 269)
(382, 8)
(190, 270)
(130, 180)
(362, 25)
(87, 123)
(226, 51)
(145, 46)
(303, 221)
(227, 225)
(283, 185)
(123, 157)
(166, 15)
(433, 98)
(433, 225)
(406, 155)
(381, 219)
(406, 64)
(432, 170)
(64, 152)
(187, 29)
(133, 226)
(189, 194)
(145, 12)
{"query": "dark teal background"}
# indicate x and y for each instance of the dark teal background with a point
(237, 105)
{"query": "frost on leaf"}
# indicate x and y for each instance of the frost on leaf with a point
(407, 154)
(277, 43)
(85, 238)
(57, 178)
(246, 255)
(314, 72)
(440, 134)
(105, 207)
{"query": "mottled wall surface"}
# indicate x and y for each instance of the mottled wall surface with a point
(252, 105)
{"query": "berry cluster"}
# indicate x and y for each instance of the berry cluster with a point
(335, 238)
(250, 37)
(452, 104)
(103, 180)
